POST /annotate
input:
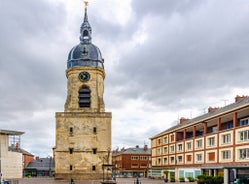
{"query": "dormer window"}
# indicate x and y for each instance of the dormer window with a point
(85, 34)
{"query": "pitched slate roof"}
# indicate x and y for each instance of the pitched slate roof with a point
(41, 164)
(205, 117)
(135, 150)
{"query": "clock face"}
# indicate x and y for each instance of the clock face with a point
(84, 76)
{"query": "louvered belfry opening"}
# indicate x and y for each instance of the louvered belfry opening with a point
(84, 97)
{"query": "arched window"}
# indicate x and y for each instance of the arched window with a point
(85, 33)
(84, 97)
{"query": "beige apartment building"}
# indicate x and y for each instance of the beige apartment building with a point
(216, 143)
(11, 163)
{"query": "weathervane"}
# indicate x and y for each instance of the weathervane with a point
(86, 4)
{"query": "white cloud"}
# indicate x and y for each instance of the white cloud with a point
(163, 60)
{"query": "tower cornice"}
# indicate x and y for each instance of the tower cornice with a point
(85, 68)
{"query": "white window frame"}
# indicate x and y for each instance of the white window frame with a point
(243, 135)
(166, 140)
(189, 145)
(180, 161)
(226, 155)
(180, 147)
(211, 141)
(199, 157)
(165, 149)
(172, 148)
(172, 160)
(243, 153)
(244, 121)
(165, 160)
(199, 143)
(226, 138)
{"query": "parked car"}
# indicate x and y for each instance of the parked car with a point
(5, 182)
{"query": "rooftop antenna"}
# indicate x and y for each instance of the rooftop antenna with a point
(204, 110)
(225, 100)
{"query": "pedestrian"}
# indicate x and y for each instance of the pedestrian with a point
(71, 181)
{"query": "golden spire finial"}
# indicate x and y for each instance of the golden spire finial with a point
(86, 4)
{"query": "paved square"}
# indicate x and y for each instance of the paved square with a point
(119, 181)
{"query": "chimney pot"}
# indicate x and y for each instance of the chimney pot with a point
(183, 120)
(212, 109)
(239, 98)
(145, 147)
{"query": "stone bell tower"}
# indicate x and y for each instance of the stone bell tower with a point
(83, 130)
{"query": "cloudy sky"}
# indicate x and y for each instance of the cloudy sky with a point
(164, 59)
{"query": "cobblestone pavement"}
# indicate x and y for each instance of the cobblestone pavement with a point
(119, 181)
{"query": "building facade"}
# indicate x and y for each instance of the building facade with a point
(132, 162)
(216, 143)
(26, 156)
(40, 167)
(83, 130)
(11, 163)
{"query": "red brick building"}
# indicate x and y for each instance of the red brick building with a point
(132, 162)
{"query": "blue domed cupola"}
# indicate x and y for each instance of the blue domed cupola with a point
(85, 53)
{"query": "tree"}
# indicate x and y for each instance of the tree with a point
(166, 172)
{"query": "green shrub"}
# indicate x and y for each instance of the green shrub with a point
(172, 179)
(182, 179)
(190, 179)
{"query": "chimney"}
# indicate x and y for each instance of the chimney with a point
(239, 98)
(137, 146)
(145, 147)
(212, 109)
(17, 146)
(37, 158)
(183, 120)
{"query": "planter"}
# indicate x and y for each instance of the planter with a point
(172, 179)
